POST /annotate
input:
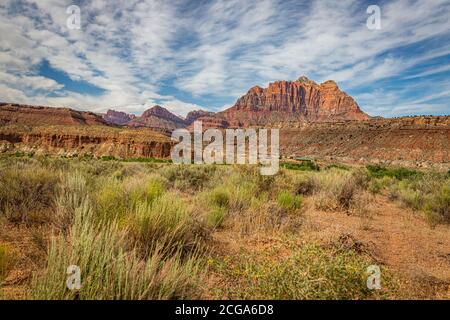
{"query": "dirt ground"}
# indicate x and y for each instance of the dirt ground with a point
(417, 253)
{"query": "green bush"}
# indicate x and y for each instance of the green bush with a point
(289, 201)
(377, 171)
(220, 197)
(111, 200)
(215, 217)
(72, 193)
(437, 206)
(302, 166)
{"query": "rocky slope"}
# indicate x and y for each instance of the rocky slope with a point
(285, 102)
(409, 141)
(84, 140)
(34, 116)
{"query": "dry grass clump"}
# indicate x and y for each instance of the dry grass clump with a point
(166, 221)
(340, 189)
(27, 193)
(188, 177)
(109, 269)
(71, 194)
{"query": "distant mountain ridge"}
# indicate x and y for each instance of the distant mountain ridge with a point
(12, 113)
(281, 103)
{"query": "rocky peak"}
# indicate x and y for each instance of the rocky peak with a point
(305, 80)
(158, 117)
(196, 114)
(118, 117)
(293, 101)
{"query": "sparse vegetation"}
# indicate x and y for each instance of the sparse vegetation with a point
(309, 272)
(398, 173)
(151, 230)
(301, 165)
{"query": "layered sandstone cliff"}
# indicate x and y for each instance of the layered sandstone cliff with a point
(90, 140)
(408, 141)
(285, 102)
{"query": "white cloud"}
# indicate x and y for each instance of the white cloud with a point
(134, 49)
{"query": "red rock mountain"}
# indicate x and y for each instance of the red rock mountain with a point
(293, 101)
(118, 117)
(196, 114)
(159, 118)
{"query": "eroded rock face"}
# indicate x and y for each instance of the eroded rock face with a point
(118, 117)
(294, 101)
(80, 141)
(408, 141)
(35, 116)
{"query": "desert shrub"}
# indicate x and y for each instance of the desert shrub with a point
(108, 158)
(148, 160)
(376, 185)
(144, 188)
(360, 204)
(304, 185)
(96, 168)
(109, 270)
(289, 201)
(242, 196)
(190, 177)
(111, 200)
(310, 272)
(27, 192)
(265, 183)
(166, 220)
(216, 216)
(71, 194)
(220, 197)
(337, 188)
(429, 193)
(437, 206)
(377, 171)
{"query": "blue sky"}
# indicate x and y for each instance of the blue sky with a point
(187, 55)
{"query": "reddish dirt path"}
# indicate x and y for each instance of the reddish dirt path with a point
(396, 237)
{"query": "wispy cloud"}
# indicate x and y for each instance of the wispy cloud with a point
(188, 55)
